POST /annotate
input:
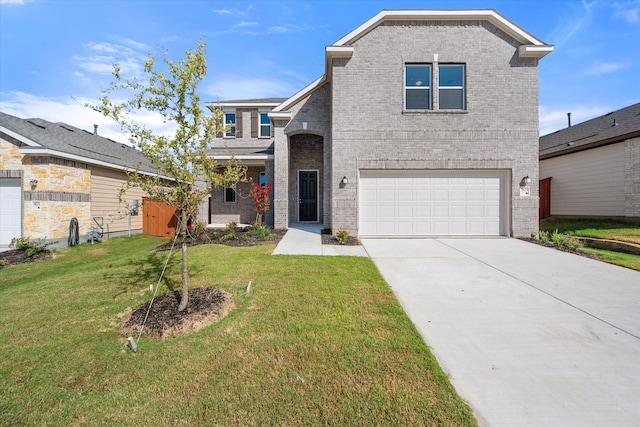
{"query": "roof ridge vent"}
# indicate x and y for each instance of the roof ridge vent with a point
(66, 128)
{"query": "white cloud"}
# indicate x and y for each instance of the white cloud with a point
(600, 68)
(66, 110)
(72, 111)
(555, 118)
(99, 57)
(568, 26)
(245, 24)
(235, 87)
(15, 1)
(628, 11)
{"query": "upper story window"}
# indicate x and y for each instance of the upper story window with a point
(447, 79)
(265, 126)
(451, 94)
(417, 87)
(230, 125)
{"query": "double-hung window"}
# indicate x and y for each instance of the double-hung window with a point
(230, 193)
(446, 80)
(451, 87)
(265, 126)
(417, 87)
(230, 125)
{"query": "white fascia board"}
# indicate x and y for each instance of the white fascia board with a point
(332, 52)
(46, 151)
(282, 108)
(490, 15)
(223, 105)
(529, 51)
(19, 137)
(279, 115)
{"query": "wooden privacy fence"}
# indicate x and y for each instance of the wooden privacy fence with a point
(545, 198)
(159, 218)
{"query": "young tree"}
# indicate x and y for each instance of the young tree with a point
(170, 90)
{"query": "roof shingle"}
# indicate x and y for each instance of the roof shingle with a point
(68, 140)
(612, 127)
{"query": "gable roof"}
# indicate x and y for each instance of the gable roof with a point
(40, 137)
(531, 47)
(610, 128)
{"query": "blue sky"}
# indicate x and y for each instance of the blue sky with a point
(56, 54)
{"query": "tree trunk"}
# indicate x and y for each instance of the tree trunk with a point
(184, 299)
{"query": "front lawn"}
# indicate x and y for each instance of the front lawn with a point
(317, 341)
(624, 231)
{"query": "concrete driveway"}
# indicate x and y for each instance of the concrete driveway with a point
(528, 335)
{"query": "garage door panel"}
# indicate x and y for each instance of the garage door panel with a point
(423, 203)
(10, 211)
(404, 195)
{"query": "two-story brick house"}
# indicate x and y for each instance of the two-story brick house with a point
(424, 123)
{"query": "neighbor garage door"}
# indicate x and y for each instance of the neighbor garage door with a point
(431, 203)
(10, 210)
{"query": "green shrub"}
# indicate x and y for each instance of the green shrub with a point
(232, 226)
(558, 239)
(230, 236)
(32, 248)
(261, 231)
(342, 236)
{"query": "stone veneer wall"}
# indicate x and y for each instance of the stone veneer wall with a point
(62, 192)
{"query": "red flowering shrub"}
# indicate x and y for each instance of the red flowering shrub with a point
(260, 196)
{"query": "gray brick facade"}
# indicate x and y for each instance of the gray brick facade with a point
(353, 118)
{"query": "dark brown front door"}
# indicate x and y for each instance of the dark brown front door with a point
(308, 195)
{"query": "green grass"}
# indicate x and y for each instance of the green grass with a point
(318, 340)
(598, 228)
(617, 258)
(623, 231)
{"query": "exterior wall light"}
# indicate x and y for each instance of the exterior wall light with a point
(344, 181)
(527, 180)
(33, 182)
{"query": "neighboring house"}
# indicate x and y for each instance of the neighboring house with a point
(594, 167)
(53, 172)
(424, 123)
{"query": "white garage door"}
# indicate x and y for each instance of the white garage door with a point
(431, 203)
(10, 206)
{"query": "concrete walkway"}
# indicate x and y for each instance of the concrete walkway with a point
(304, 239)
(528, 335)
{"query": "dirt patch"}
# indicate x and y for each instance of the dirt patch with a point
(19, 256)
(206, 306)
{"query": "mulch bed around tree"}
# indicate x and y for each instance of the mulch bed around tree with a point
(206, 306)
(230, 238)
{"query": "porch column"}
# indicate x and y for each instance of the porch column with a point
(281, 176)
